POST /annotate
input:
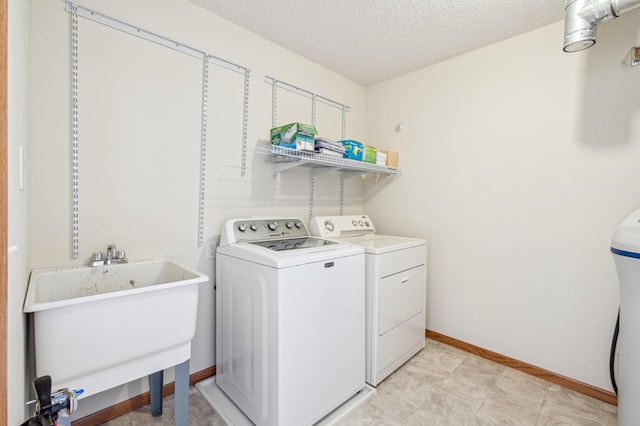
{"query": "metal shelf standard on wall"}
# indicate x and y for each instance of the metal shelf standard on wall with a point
(77, 10)
(314, 98)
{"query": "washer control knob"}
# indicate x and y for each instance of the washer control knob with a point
(254, 227)
(361, 223)
(366, 222)
(289, 225)
(354, 222)
(298, 224)
(242, 227)
(329, 225)
(273, 226)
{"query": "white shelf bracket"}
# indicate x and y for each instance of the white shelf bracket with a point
(281, 167)
(322, 170)
(353, 173)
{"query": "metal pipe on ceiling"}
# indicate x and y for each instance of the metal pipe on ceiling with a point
(583, 16)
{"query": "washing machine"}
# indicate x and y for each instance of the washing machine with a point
(395, 271)
(290, 321)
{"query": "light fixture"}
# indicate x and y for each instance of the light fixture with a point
(583, 16)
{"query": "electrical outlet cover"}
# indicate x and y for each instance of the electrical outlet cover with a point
(635, 56)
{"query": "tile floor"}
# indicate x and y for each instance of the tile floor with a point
(441, 385)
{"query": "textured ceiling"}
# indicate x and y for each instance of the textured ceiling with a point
(369, 41)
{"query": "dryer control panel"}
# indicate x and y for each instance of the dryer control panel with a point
(341, 226)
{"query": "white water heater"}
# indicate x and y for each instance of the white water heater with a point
(625, 247)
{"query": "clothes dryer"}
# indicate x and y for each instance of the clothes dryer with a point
(396, 269)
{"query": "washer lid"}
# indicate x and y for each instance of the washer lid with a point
(287, 258)
(294, 243)
(627, 236)
(379, 244)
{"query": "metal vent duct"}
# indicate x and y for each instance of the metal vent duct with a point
(582, 17)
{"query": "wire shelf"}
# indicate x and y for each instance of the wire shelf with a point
(285, 158)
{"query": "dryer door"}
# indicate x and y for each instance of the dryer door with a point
(401, 297)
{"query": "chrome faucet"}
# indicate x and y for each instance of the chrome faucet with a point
(112, 251)
(113, 255)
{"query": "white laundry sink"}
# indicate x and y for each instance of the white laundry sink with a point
(99, 327)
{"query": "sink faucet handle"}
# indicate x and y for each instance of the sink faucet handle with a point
(112, 251)
(96, 259)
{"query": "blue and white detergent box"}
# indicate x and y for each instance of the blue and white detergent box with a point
(294, 136)
(353, 149)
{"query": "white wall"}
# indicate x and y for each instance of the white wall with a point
(18, 212)
(140, 142)
(519, 161)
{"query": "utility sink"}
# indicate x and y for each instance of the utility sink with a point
(99, 327)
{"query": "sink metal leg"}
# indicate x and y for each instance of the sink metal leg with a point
(182, 394)
(155, 391)
(64, 421)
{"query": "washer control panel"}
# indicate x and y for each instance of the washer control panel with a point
(259, 229)
(341, 226)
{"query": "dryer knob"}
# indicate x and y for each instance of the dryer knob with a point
(298, 224)
(354, 222)
(242, 227)
(273, 226)
(329, 225)
(254, 227)
(289, 225)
